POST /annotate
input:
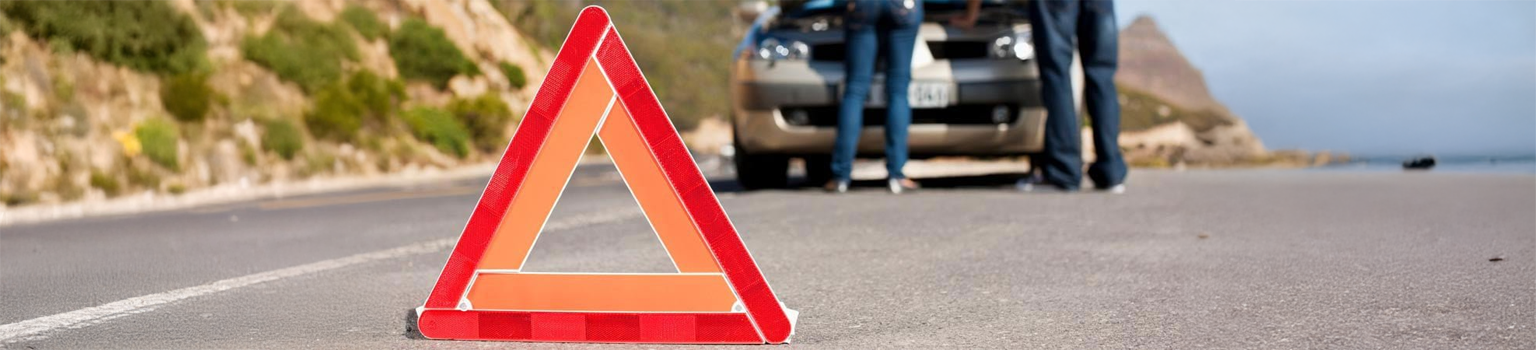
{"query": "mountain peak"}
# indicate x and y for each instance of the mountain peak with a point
(1144, 23)
(1150, 62)
(1158, 85)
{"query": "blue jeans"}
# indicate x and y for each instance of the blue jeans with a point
(890, 27)
(1092, 23)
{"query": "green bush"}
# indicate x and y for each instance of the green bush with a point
(283, 137)
(18, 197)
(486, 117)
(301, 50)
(187, 96)
(248, 8)
(6, 26)
(336, 115)
(143, 177)
(439, 128)
(148, 36)
(364, 21)
(106, 183)
(422, 52)
(252, 7)
(343, 107)
(379, 96)
(159, 136)
(514, 75)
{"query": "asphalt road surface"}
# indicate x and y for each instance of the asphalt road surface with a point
(1185, 260)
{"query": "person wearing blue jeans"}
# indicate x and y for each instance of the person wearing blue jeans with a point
(1092, 23)
(887, 28)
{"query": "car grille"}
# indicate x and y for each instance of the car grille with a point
(828, 52)
(941, 50)
(826, 116)
(957, 49)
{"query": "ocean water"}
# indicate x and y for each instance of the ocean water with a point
(1464, 164)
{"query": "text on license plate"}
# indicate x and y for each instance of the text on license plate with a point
(919, 95)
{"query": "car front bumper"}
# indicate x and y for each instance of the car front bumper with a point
(766, 92)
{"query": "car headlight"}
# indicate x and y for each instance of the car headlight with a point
(1019, 45)
(1002, 47)
(1023, 45)
(772, 49)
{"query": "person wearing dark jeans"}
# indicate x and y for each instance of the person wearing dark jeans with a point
(1056, 23)
(887, 28)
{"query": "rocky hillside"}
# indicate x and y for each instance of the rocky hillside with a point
(1169, 116)
(689, 72)
(113, 99)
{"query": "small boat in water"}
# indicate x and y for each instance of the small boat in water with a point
(1419, 163)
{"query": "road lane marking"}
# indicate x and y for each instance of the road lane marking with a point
(33, 329)
(84, 317)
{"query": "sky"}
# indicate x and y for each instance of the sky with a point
(1365, 77)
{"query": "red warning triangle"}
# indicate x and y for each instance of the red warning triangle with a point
(718, 294)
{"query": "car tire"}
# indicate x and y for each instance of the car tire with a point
(818, 170)
(765, 171)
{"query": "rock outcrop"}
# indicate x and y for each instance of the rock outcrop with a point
(1170, 116)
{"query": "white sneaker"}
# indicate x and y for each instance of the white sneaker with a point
(1034, 186)
(1027, 184)
(899, 186)
(1116, 189)
(836, 186)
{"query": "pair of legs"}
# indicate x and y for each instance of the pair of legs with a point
(887, 28)
(1056, 23)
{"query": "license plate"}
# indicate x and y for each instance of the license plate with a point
(919, 95)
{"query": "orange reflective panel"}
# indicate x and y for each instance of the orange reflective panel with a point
(602, 292)
(525, 217)
(656, 197)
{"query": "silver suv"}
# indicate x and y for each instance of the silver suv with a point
(974, 92)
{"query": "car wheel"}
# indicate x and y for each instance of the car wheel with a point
(818, 170)
(756, 171)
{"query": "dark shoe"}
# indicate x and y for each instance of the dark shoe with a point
(837, 186)
(899, 186)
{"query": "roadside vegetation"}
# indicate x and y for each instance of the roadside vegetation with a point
(188, 96)
(487, 117)
(301, 50)
(106, 183)
(336, 114)
(282, 137)
(439, 128)
(689, 75)
(364, 21)
(242, 7)
(148, 36)
(423, 53)
(344, 107)
(229, 120)
(514, 74)
(159, 138)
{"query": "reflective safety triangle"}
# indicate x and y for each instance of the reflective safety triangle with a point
(718, 294)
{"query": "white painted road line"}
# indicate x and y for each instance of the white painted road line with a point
(33, 329)
(92, 315)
